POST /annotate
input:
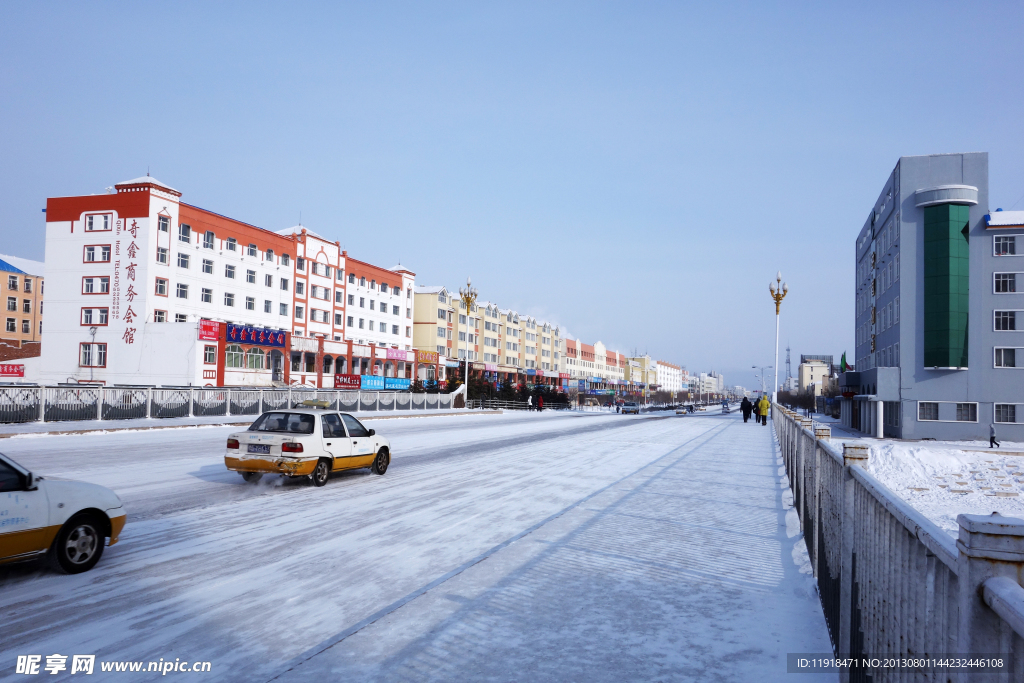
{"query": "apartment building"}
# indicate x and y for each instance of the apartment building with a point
(670, 376)
(149, 289)
(939, 287)
(22, 284)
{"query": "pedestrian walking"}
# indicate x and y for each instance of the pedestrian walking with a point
(529, 402)
(540, 403)
(992, 443)
(762, 410)
(746, 408)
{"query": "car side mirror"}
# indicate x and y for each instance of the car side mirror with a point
(30, 482)
(372, 432)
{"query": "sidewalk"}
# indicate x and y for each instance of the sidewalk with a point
(692, 568)
(84, 426)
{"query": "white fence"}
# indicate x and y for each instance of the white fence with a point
(892, 583)
(53, 404)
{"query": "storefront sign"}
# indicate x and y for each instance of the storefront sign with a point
(490, 368)
(347, 382)
(583, 384)
(12, 370)
(426, 357)
(449, 363)
(398, 354)
(479, 366)
(259, 336)
(209, 330)
(396, 383)
(597, 380)
(563, 375)
(531, 372)
(371, 383)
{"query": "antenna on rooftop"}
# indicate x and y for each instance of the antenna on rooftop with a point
(789, 373)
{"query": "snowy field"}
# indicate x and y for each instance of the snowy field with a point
(558, 546)
(942, 479)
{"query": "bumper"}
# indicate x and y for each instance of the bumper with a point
(278, 465)
(116, 526)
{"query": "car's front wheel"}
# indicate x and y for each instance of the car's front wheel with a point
(79, 544)
(321, 472)
(381, 462)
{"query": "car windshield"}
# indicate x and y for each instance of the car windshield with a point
(287, 423)
(631, 404)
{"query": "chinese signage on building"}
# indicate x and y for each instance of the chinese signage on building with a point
(12, 370)
(259, 336)
(426, 356)
(209, 330)
(347, 382)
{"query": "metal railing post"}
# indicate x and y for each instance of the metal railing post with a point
(990, 546)
(853, 454)
(99, 403)
(42, 403)
(227, 403)
(149, 402)
(191, 403)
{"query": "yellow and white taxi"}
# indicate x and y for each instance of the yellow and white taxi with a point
(67, 519)
(305, 443)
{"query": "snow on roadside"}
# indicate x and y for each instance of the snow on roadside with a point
(943, 479)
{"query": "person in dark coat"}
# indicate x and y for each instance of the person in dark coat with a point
(747, 407)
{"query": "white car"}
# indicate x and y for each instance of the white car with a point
(67, 519)
(306, 443)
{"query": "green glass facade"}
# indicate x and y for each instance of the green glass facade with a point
(946, 285)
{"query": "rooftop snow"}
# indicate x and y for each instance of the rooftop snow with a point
(297, 230)
(996, 218)
(146, 179)
(22, 265)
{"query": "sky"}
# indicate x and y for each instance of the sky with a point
(635, 173)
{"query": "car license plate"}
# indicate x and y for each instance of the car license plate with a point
(253, 448)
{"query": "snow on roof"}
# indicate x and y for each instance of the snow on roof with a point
(146, 179)
(22, 265)
(400, 269)
(424, 289)
(297, 230)
(997, 218)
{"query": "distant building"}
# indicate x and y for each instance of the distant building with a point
(811, 375)
(939, 284)
(22, 282)
(670, 377)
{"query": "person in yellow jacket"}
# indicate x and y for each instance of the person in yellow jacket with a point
(762, 409)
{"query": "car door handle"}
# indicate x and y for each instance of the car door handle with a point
(328, 443)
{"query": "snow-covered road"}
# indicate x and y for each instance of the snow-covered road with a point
(511, 547)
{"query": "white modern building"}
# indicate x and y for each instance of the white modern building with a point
(670, 377)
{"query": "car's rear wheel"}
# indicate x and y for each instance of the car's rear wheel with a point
(252, 477)
(321, 472)
(381, 462)
(79, 544)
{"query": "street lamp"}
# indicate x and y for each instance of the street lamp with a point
(468, 296)
(761, 376)
(779, 291)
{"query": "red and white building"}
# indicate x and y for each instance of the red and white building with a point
(147, 289)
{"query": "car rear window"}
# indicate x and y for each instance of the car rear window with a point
(285, 423)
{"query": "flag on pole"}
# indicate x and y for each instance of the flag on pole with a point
(842, 363)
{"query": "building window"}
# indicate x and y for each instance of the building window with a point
(337, 320)
(163, 223)
(269, 255)
(229, 299)
(12, 282)
(26, 327)
(182, 291)
(1006, 412)
(285, 259)
(161, 255)
(372, 302)
(234, 357)
(408, 331)
(927, 412)
(229, 272)
(231, 244)
(267, 305)
(210, 355)
(12, 325)
(339, 297)
(182, 260)
(300, 313)
(966, 412)
(268, 280)
(252, 250)
(351, 321)
(1006, 320)
(28, 281)
(250, 303)
(208, 240)
(93, 356)
(12, 303)
(97, 223)
(300, 287)
(208, 266)
(250, 277)
(161, 287)
(283, 309)
(300, 263)
(180, 318)
(206, 295)
(99, 253)
(159, 316)
(351, 279)
(254, 358)
(95, 285)
(184, 234)
(284, 284)
(360, 323)
(26, 306)
(1005, 283)
(394, 329)
(1006, 358)
(1006, 246)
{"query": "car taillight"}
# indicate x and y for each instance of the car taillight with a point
(289, 447)
(232, 443)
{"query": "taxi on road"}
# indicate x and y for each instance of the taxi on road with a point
(68, 520)
(305, 443)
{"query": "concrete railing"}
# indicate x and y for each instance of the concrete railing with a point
(53, 404)
(891, 582)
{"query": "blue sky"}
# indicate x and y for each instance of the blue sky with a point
(635, 172)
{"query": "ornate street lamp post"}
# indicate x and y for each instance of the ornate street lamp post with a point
(779, 291)
(468, 296)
